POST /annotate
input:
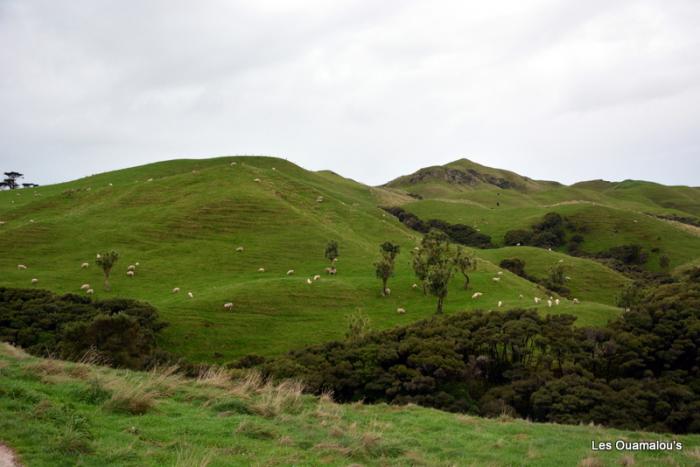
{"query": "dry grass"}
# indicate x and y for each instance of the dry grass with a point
(273, 400)
(12, 351)
(627, 459)
(192, 458)
(591, 461)
(248, 384)
(132, 398)
(693, 453)
(215, 376)
(165, 379)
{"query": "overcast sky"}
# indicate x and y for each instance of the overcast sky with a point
(561, 90)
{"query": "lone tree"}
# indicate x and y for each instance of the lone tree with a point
(385, 265)
(465, 262)
(435, 262)
(331, 252)
(107, 261)
(10, 180)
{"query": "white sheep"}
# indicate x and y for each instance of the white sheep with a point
(317, 277)
(257, 180)
(233, 163)
(549, 303)
(332, 271)
(131, 268)
(477, 294)
(521, 296)
(228, 306)
(500, 273)
(137, 264)
(239, 249)
(176, 290)
(414, 286)
(537, 299)
(290, 272)
(84, 286)
(149, 180)
(400, 311)
(576, 302)
(84, 265)
(190, 294)
(387, 291)
(261, 269)
(35, 280)
(319, 199)
(500, 304)
(556, 302)
(89, 291)
(308, 281)
(561, 260)
(496, 279)
(21, 267)
(130, 273)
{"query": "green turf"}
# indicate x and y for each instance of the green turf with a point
(59, 414)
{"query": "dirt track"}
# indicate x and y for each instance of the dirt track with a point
(7, 457)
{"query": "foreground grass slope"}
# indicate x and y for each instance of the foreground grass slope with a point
(56, 413)
(183, 221)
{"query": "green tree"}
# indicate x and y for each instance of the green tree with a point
(331, 252)
(107, 261)
(465, 263)
(557, 275)
(384, 267)
(435, 263)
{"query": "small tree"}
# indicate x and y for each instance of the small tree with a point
(10, 180)
(420, 267)
(557, 275)
(331, 252)
(664, 262)
(107, 261)
(436, 263)
(385, 265)
(465, 263)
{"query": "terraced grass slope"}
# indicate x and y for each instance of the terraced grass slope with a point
(183, 222)
(62, 414)
(616, 213)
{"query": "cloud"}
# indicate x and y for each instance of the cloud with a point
(371, 90)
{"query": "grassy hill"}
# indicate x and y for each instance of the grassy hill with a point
(615, 213)
(60, 414)
(183, 221)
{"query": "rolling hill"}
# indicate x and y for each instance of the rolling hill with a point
(183, 222)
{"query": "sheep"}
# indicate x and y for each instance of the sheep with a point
(332, 271)
(561, 260)
(261, 269)
(190, 294)
(496, 279)
(500, 273)
(319, 199)
(387, 291)
(111, 184)
(176, 290)
(228, 306)
(149, 180)
(500, 304)
(257, 180)
(84, 265)
(130, 273)
(317, 277)
(35, 280)
(308, 281)
(290, 272)
(414, 286)
(2, 222)
(521, 296)
(537, 299)
(21, 267)
(556, 302)
(131, 268)
(400, 311)
(327, 270)
(549, 303)
(89, 291)
(84, 286)
(477, 294)
(137, 264)
(233, 163)
(576, 302)
(239, 249)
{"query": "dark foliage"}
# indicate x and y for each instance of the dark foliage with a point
(550, 232)
(458, 233)
(515, 265)
(121, 332)
(626, 254)
(641, 372)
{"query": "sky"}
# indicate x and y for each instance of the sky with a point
(564, 90)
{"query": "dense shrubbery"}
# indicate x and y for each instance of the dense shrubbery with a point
(550, 232)
(119, 332)
(458, 233)
(642, 371)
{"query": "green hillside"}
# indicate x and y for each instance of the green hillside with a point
(183, 221)
(62, 414)
(614, 213)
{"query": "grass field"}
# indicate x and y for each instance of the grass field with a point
(62, 414)
(182, 221)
